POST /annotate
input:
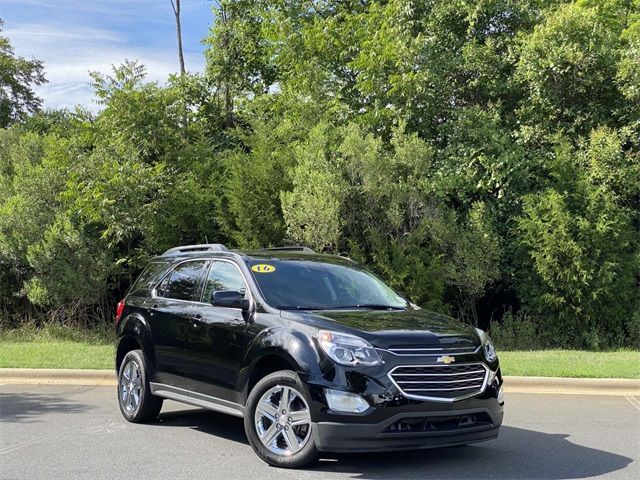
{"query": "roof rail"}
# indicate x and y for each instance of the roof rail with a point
(204, 247)
(290, 249)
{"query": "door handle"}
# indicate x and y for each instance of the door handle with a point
(196, 320)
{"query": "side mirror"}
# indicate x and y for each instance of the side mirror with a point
(230, 299)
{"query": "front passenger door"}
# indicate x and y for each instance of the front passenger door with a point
(217, 336)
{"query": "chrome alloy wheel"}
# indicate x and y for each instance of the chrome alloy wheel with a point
(130, 386)
(283, 421)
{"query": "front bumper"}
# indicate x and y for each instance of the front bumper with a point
(396, 422)
(349, 437)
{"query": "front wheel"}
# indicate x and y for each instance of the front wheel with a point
(278, 421)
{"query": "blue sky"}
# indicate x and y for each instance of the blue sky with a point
(73, 37)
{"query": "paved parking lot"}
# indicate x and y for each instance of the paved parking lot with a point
(54, 432)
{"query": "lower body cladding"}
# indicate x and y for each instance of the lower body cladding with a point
(390, 421)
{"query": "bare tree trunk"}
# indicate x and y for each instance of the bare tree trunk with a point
(228, 97)
(228, 107)
(176, 12)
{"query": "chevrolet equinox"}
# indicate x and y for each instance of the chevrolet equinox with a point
(315, 353)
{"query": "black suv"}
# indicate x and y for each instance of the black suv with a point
(314, 352)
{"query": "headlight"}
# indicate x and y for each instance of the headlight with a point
(487, 346)
(348, 349)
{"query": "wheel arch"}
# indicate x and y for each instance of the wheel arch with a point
(271, 362)
(134, 333)
(125, 345)
(279, 349)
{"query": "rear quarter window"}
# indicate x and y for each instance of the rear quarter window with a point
(147, 279)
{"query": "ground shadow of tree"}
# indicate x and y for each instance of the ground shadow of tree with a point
(25, 407)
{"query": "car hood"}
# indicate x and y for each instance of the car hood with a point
(396, 328)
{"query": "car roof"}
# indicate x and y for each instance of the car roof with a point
(292, 255)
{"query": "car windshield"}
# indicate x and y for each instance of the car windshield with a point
(317, 285)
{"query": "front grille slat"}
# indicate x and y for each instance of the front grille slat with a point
(449, 389)
(410, 351)
(435, 374)
(465, 380)
(440, 382)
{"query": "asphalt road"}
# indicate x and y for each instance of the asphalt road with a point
(59, 432)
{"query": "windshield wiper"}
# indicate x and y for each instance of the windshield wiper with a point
(364, 306)
(369, 306)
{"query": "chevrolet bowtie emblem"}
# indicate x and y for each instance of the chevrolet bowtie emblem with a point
(446, 359)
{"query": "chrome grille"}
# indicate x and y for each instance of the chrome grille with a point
(418, 350)
(440, 382)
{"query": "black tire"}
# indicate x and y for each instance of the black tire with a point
(308, 453)
(148, 406)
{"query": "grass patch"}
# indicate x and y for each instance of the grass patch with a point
(55, 346)
(53, 332)
(571, 363)
(55, 354)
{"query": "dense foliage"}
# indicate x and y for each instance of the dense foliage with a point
(482, 156)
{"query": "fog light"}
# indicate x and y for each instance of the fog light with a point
(501, 395)
(340, 401)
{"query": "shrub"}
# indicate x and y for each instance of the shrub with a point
(517, 332)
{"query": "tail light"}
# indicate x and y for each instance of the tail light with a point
(119, 310)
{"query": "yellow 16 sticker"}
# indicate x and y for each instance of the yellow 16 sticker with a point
(263, 268)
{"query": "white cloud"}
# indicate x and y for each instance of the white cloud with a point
(69, 82)
(69, 54)
(112, 8)
(38, 35)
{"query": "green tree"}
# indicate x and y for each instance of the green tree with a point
(580, 251)
(249, 187)
(145, 184)
(568, 64)
(312, 209)
(237, 59)
(54, 259)
(17, 77)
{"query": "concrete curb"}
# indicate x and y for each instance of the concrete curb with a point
(54, 376)
(576, 386)
(579, 386)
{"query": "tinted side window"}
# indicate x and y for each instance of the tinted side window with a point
(223, 276)
(147, 278)
(182, 282)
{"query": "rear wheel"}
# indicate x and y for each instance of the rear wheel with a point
(136, 402)
(278, 421)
